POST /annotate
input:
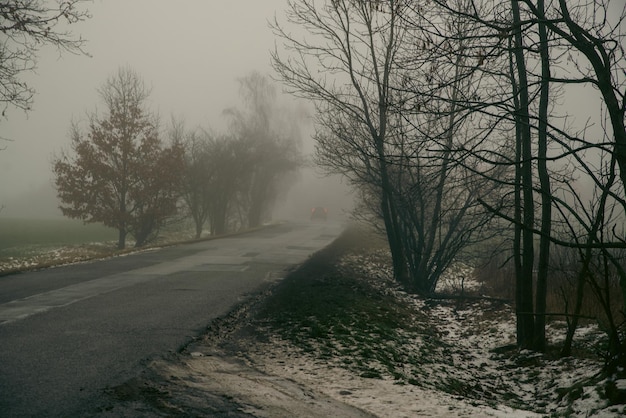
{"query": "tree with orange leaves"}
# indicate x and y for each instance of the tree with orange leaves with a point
(120, 173)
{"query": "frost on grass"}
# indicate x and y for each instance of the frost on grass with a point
(355, 321)
(35, 257)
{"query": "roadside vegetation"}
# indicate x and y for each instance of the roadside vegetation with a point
(342, 309)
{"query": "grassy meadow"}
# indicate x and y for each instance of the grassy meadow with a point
(25, 237)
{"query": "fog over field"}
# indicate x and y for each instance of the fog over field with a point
(190, 52)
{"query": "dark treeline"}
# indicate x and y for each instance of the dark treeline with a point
(121, 173)
(233, 180)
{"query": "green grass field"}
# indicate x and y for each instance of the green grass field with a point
(24, 237)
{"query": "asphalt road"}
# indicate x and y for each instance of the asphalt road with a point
(68, 333)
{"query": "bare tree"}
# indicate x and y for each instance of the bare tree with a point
(524, 278)
(586, 40)
(439, 189)
(543, 265)
(389, 120)
(356, 43)
(587, 33)
(27, 25)
(271, 148)
(594, 30)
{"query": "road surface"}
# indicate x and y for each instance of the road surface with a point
(68, 333)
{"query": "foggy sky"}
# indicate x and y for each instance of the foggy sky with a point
(189, 51)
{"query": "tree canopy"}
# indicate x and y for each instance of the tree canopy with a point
(120, 173)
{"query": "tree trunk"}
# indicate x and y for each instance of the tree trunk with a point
(517, 206)
(396, 247)
(566, 350)
(121, 238)
(218, 220)
(255, 211)
(525, 308)
(546, 194)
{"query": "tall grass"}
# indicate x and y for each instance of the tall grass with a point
(498, 279)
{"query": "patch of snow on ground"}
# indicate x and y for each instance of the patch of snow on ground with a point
(381, 397)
